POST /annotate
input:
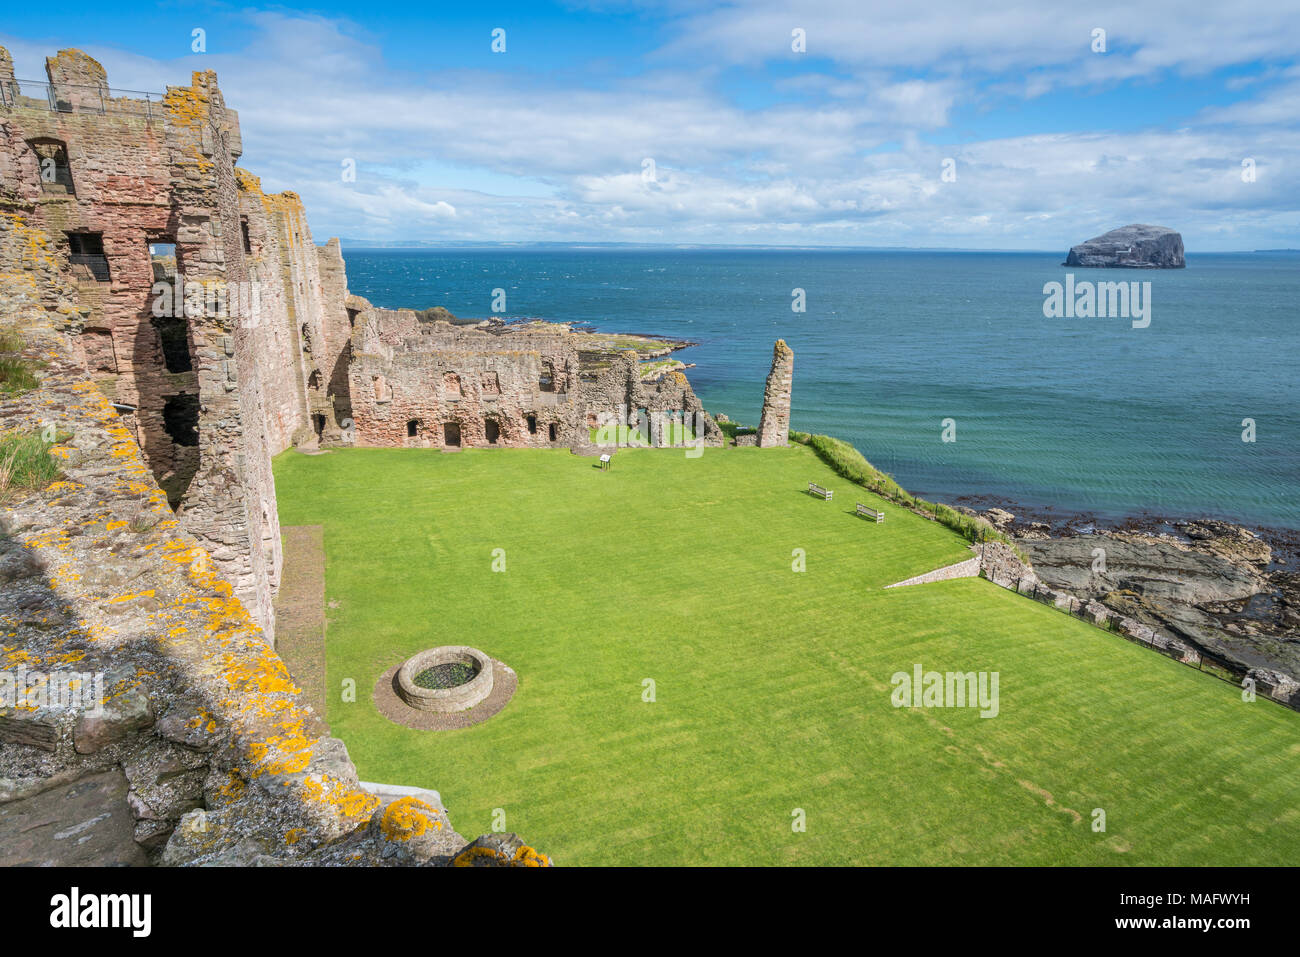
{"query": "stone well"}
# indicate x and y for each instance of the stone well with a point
(457, 698)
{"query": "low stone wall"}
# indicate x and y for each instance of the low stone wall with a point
(459, 698)
(970, 568)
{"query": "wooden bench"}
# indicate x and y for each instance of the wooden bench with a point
(815, 489)
(868, 512)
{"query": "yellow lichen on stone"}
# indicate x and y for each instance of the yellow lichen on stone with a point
(527, 856)
(234, 787)
(248, 183)
(467, 857)
(405, 818)
(130, 596)
(352, 803)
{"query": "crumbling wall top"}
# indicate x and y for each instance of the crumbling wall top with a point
(76, 68)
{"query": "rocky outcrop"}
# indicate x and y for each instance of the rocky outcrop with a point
(1095, 565)
(774, 424)
(1212, 587)
(1158, 573)
(1137, 246)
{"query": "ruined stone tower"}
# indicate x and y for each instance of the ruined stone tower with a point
(774, 426)
(212, 321)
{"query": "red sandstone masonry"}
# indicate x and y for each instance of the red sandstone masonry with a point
(165, 173)
(527, 383)
(225, 761)
(112, 583)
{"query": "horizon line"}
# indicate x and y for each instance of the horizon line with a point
(572, 244)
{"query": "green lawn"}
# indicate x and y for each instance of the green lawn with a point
(772, 686)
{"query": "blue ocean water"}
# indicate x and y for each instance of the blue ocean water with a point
(1076, 415)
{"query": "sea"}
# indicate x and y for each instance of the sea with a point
(942, 367)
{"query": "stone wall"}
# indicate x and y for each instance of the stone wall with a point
(117, 187)
(621, 393)
(774, 423)
(230, 502)
(303, 319)
(336, 328)
(204, 744)
(437, 384)
(243, 361)
(970, 568)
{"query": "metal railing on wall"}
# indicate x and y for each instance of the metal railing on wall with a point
(78, 98)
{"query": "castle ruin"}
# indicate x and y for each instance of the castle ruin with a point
(186, 329)
(774, 424)
(438, 384)
(208, 318)
(223, 335)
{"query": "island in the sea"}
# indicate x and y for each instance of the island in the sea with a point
(1137, 246)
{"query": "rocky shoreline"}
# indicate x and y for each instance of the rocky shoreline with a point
(1231, 591)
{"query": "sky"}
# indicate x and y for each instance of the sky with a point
(997, 125)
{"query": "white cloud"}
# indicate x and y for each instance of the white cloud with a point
(849, 161)
(994, 37)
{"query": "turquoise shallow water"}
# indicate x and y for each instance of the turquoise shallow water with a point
(1079, 415)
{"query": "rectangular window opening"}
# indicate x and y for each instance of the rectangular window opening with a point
(86, 253)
